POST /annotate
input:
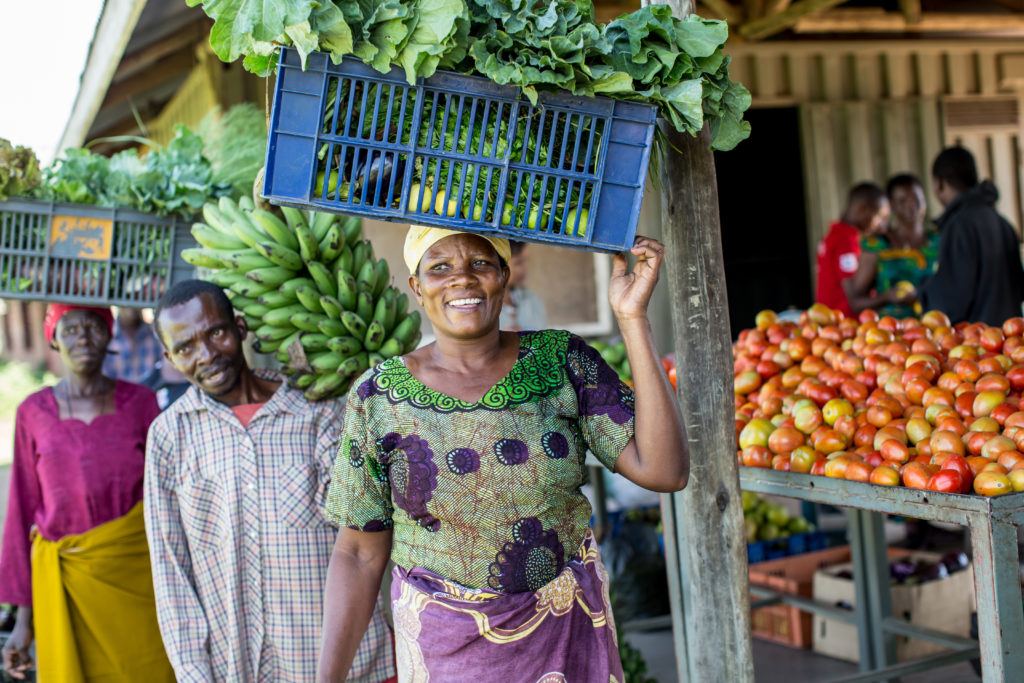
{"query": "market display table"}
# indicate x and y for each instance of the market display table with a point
(992, 523)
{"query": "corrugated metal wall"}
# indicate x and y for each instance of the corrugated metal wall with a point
(869, 110)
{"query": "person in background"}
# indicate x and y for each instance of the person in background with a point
(134, 350)
(75, 558)
(167, 383)
(895, 263)
(866, 213)
(236, 475)
(522, 310)
(979, 277)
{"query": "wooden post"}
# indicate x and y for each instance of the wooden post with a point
(705, 539)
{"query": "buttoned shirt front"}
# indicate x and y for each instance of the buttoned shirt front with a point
(238, 541)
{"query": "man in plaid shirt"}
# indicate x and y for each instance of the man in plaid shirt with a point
(236, 477)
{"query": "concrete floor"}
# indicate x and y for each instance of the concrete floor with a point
(779, 664)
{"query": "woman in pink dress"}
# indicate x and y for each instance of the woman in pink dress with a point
(74, 557)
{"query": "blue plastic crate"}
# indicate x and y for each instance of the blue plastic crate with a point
(796, 544)
(76, 253)
(459, 152)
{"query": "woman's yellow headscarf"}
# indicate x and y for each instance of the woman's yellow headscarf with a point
(421, 238)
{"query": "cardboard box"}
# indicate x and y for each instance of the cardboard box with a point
(792, 575)
(942, 605)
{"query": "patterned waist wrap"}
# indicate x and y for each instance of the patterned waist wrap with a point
(562, 633)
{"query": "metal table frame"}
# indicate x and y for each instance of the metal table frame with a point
(992, 523)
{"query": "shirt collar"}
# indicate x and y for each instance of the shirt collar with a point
(284, 400)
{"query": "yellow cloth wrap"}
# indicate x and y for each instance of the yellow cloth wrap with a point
(94, 609)
(421, 238)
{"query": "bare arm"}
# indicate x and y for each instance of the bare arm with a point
(658, 457)
(858, 287)
(353, 581)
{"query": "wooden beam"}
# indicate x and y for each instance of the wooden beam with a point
(776, 6)
(134, 62)
(167, 68)
(705, 544)
(753, 9)
(725, 10)
(114, 29)
(766, 27)
(911, 10)
(879, 21)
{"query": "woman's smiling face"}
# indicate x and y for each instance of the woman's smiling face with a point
(461, 284)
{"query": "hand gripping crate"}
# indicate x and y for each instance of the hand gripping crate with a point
(75, 253)
(458, 152)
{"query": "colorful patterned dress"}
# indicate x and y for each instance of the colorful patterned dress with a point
(496, 566)
(899, 265)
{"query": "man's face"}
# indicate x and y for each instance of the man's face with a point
(879, 219)
(204, 344)
(944, 191)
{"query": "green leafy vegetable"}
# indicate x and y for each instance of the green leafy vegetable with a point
(19, 170)
(647, 55)
(176, 179)
(235, 142)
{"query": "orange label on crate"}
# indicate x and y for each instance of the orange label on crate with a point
(81, 237)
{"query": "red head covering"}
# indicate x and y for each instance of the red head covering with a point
(54, 312)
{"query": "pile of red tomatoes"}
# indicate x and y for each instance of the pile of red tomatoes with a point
(911, 402)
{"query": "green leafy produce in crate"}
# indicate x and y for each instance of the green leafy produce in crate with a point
(647, 55)
(311, 291)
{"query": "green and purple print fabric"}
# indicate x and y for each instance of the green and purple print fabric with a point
(486, 494)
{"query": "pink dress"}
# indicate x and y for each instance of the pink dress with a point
(69, 476)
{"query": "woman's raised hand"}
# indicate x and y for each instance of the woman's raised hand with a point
(629, 293)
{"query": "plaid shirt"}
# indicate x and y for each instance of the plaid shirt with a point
(132, 361)
(239, 544)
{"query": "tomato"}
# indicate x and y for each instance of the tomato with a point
(916, 475)
(964, 404)
(895, 451)
(781, 463)
(977, 463)
(757, 456)
(885, 475)
(1003, 411)
(865, 435)
(802, 459)
(986, 402)
(756, 433)
(765, 319)
(807, 419)
(746, 382)
(835, 468)
(945, 441)
(1015, 376)
(918, 430)
(784, 440)
(996, 445)
(992, 484)
(847, 426)
(1015, 420)
(818, 469)
(858, 471)
(830, 441)
(836, 408)
(992, 339)
(1017, 480)
(958, 463)
(946, 481)
(985, 424)
(937, 396)
(768, 368)
(993, 382)
(977, 440)
(994, 467)
(1014, 327)
(1009, 459)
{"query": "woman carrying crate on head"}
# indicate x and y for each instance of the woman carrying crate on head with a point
(75, 559)
(463, 461)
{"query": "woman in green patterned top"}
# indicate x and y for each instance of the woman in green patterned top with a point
(463, 463)
(895, 264)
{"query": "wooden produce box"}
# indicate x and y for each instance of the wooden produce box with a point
(793, 575)
(942, 605)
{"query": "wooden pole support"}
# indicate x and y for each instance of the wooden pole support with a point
(707, 552)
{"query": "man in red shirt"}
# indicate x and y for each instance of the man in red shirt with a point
(867, 213)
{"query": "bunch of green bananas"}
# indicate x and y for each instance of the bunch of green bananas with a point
(311, 291)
